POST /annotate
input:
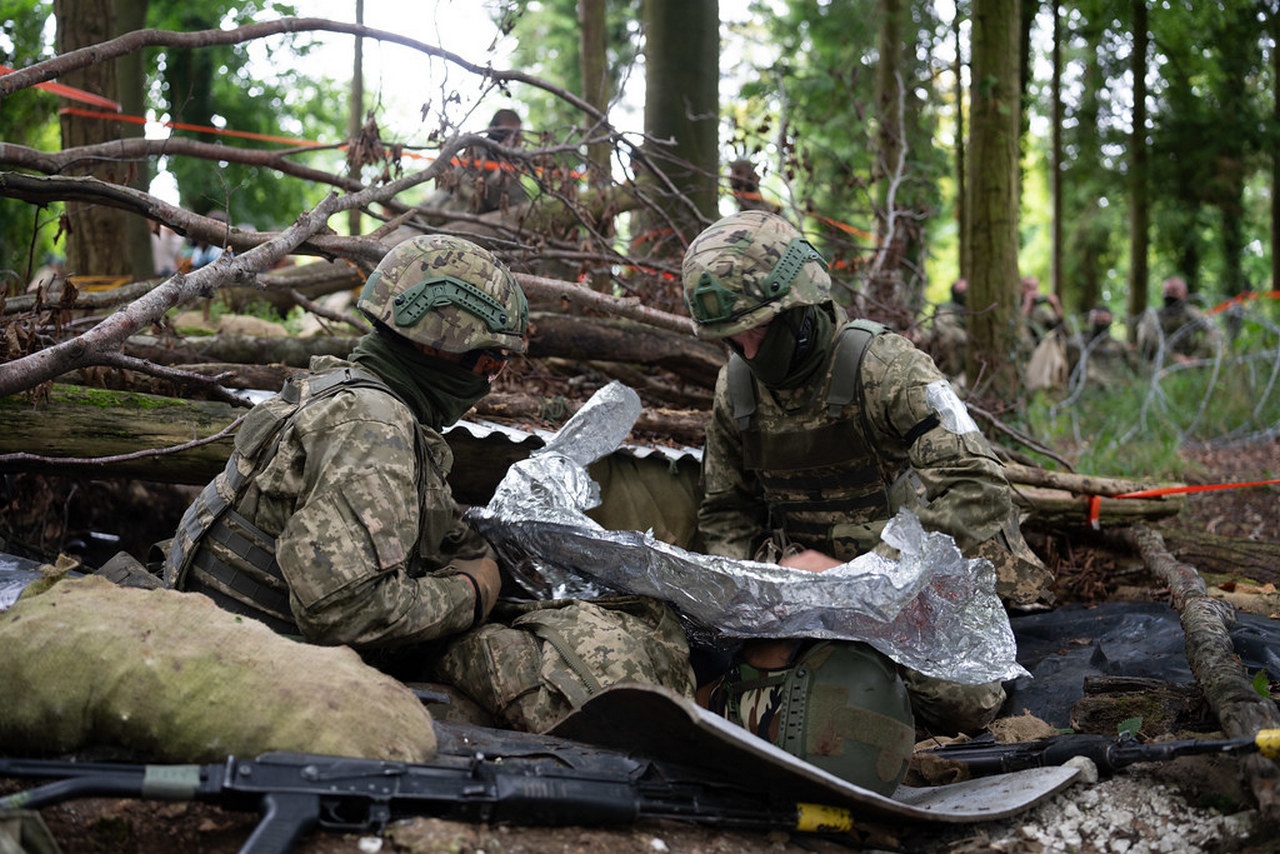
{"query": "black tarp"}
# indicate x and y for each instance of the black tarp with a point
(1139, 639)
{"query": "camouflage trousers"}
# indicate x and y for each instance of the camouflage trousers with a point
(533, 663)
(945, 707)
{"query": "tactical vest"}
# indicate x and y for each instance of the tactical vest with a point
(825, 484)
(221, 554)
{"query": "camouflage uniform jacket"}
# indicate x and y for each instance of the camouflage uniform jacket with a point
(830, 481)
(1187, 330)
(352, 499)
(948, 338)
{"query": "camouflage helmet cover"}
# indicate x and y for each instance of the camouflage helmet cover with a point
(449, 294)
(746, 269)
(841, 707)
(846, 710)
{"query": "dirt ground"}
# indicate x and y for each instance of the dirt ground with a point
(1193, 804)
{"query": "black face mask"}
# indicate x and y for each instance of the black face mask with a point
(792, 347)
(1101, 329)
(1171, 302)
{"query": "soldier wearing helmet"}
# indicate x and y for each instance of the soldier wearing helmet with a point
(821, 430)
(333, 519)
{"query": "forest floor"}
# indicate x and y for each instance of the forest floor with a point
(1193, 804)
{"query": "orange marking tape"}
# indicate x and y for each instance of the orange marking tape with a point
(1243, 298)
(1095, 501)
(71, 92)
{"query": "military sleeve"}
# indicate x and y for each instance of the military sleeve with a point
(348, 549)
(914, 412)
(733, 515)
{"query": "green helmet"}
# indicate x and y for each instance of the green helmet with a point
(841, 707)
(448, 294)
(746, 269)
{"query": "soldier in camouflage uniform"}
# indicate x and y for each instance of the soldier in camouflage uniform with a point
(333, 519)
(1108, 362)
(948, 336)
(1186, 332)
(821, 431)
(482, 180)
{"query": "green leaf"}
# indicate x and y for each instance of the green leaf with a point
(1129, 726)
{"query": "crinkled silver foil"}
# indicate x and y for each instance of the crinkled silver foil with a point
(931, 610)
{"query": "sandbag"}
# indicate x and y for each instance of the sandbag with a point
(175, 678)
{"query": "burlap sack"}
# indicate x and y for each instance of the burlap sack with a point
(174, 677)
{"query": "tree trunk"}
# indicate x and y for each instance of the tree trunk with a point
(993, 193)
(595, 83)
(682, 79)
(95, 233)
(1236, 557)
(1274, 21)
(131, 80)
(355, 111)
(1055, 155)
(885, 274)
(962, 198)
(1139, 205)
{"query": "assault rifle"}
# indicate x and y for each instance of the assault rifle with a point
(529, 780)
(984, 756)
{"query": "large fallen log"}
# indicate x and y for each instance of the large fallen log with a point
(1240, 709)
(1241, 559)
(81, 423)
(104, 433)
(1055, 509)
(608, 339)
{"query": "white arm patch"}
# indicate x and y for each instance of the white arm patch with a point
(951, 410)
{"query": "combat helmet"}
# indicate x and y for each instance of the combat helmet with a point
(746, 269)
(448, 294)
(841, 707)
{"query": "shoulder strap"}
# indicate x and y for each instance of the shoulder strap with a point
(851, 347)
(742, 391)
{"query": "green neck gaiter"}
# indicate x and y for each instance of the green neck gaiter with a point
(438, 392)
(782, 361)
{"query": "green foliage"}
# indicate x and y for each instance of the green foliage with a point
(27, 232)
(1129, 726)
(823, 83)
(219, 86)
(1262, 684)
(548, 47)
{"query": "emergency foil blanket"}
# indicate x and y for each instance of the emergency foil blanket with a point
(931, 610)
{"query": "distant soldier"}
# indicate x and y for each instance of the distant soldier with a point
(1041, 313)
(947, 339)
(1178, 327)
(482, 181)
(1108, 362)
(745, 184)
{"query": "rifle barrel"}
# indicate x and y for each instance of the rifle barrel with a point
(984, 756)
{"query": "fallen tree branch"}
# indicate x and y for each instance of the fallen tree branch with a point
(1240, 709)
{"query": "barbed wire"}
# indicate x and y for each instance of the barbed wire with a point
(1200, 398)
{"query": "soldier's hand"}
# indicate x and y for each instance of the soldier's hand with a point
(488, 581)
(810, 560)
